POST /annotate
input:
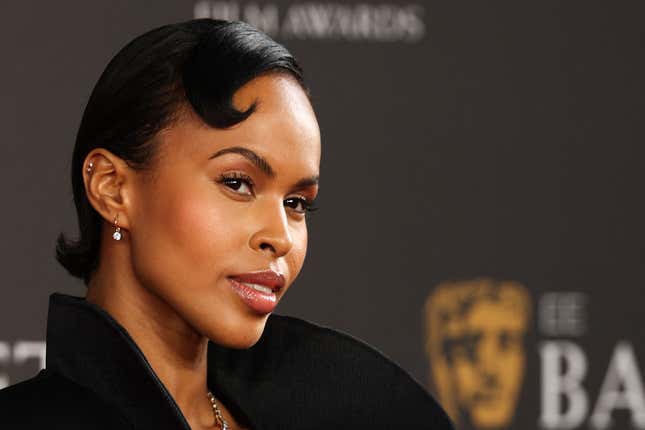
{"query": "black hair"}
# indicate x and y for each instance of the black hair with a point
(199, 64)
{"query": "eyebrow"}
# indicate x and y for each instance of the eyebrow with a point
(262, 164)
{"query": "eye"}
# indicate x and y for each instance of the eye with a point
(300, 204)
(236, 182)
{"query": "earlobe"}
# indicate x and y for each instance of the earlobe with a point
(106, 177)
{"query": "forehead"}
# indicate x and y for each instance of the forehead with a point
(283, 128)
(495, 316)
(486, 316)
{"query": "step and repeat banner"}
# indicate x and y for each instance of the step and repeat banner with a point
(481, 214)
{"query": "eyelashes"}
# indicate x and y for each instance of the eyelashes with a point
(235, 181)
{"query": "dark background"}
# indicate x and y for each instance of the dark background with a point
(506, 142)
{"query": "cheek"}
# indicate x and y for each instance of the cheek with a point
(185, 235)
(296, 257)
(204, 230)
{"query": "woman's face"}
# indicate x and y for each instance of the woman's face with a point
(225, 202)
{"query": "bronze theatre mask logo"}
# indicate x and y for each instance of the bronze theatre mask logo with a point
(474, 340)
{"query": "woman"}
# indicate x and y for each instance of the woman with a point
(195, 164)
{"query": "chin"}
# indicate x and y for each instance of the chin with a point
(242, 336)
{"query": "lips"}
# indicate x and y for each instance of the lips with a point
(266, 278)
(258, 290)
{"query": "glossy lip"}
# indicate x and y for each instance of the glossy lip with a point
(268, 278)
(260, 302)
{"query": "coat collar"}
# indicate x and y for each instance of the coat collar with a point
(86, 345)
(298, 375)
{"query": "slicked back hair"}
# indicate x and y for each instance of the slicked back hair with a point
(199, 64)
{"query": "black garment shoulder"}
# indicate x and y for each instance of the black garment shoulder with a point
(297, 376)
(301, 375)
(51, 401)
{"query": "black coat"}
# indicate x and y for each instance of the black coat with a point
(298, 376)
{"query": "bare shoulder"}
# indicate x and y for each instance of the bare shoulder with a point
(49, 400)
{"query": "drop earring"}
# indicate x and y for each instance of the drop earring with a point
(117, 230)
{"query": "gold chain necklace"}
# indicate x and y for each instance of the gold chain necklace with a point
(219, 418)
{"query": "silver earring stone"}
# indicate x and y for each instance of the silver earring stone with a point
(117, 230)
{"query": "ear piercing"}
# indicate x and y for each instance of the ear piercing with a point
(117, 230)
(117, 235)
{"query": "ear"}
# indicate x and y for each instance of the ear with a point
(108, 180)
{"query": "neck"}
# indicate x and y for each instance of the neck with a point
(175, 351)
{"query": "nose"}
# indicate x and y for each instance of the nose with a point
(273, 234)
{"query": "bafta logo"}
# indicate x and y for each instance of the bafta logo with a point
(474, 340)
